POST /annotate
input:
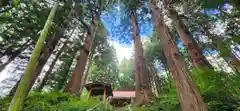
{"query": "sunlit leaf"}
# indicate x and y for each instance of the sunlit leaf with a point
(16, 3)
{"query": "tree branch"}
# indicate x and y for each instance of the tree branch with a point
(85, 25)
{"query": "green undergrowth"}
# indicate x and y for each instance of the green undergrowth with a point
(53, 101)
(219, 90)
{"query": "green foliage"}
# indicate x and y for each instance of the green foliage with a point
(82, 105)
(126, 75)
(142, 109)
(168, 99)
(104, 62)
(216, 89)
(24, 23)
(26, 19)
(153, 49)
(80, 9)
(132, 4)
(235, 39)
(234, 85)
(90, 7)
(210, 4)
(22, 89)
(44, 102)
(16, 3)
(53, 101)
(225, 50)
(103, 107)
(102, 31)
(156, 106)
(104, 66)
(209, 80)
(59, 78)
(19, 25)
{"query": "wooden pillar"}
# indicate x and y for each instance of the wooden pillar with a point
(89, 93)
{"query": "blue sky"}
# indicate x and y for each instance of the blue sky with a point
(118, 23)
(120, 33)
(120, 30)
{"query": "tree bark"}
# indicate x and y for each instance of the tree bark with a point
(143, 90)
(48, 50)
(152, 82)
(190, 98)
(48, 73)
(76, 79)
(86, 73)
(15, 54)
(234, 62)
(60, 84)
(194, 51)
(3, 3)
(51, 67)
(46, 53)
(13, 90)
(155, 77)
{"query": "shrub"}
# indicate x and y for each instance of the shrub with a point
(53, 101)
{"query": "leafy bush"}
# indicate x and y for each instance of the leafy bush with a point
(218, 89)
(53, 101)
(77, 105)
(4, 103)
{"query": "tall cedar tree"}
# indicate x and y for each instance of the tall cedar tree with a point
(142, 78)
(190, 97)
(47, 75)
(194, 51)
(49, 48)
(75, 82)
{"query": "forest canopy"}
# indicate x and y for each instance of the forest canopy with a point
(159, 55)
